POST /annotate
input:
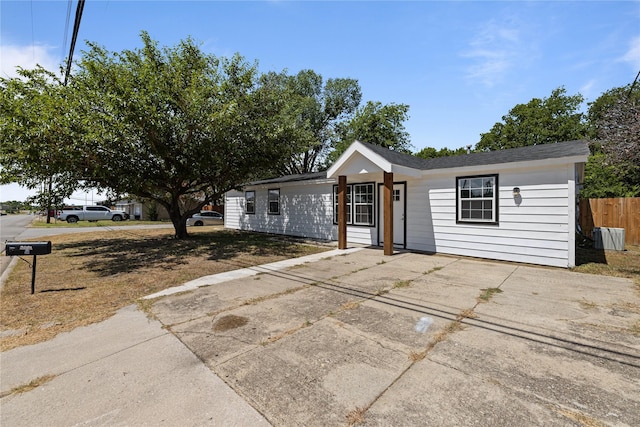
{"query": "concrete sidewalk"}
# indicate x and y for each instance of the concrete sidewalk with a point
(126, 370)
(333, 341)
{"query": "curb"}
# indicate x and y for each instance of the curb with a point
(7, 271)
(249, 271)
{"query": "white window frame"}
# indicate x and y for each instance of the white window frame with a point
(250, 202)
(273, 199)
(353, 206)
(477, 199)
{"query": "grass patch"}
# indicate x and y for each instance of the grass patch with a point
(29, 386)
(587, 304)
(356, 416)
(416, 356)
(401, 284)
(350, 305)
(434, 269)
(88, 277)
(488, 293)
(467, 314)
(610, 263)
(381, 291)
(286, 333)
(581, 418)
(41, 222)
(635, 329)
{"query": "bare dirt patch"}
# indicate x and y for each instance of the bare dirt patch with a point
(89, 276)
(231, 321)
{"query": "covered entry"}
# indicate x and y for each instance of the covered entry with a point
(399, 199)
(361, 163)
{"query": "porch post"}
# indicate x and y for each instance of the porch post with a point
(342, 212)
(387, 204)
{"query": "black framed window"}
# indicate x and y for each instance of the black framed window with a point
(250, 202)
(477, 199)
(360, 204)
(363, 204)
(335, 204)
(274, 201)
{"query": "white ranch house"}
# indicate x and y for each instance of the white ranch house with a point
(512, 205)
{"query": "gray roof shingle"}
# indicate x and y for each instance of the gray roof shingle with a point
(511, 155)
(534, 152)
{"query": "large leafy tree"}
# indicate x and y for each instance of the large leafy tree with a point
(614, 124)
(376, 124)
(432, 153)
(175, 125)
(315, 109)
(37, 130)
(540, 121)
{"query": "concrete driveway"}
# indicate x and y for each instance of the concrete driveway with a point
(334, 342)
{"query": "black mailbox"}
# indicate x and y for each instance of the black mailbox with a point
(28, 248)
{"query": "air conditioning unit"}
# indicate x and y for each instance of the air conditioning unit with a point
(611, 239)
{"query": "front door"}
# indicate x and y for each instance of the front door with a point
(399, 206)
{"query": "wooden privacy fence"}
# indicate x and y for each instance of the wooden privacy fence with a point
(615, 213)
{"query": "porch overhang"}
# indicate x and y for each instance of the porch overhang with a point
(360, 160)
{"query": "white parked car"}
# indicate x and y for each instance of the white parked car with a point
(206, 218)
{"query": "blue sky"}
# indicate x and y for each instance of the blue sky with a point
(460, 66)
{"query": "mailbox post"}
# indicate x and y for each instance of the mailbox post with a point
(29, 248)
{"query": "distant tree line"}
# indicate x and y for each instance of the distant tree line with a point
(611, 125)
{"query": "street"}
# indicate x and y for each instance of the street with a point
(11, 226)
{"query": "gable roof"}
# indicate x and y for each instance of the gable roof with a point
(578, 149)
(389, 160)
(291, 178)
(521, 154)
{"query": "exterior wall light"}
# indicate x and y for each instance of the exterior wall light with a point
(516, 191)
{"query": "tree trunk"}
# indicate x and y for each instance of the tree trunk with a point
(179, 222)
(49, 201)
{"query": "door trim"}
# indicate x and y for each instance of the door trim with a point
(379, 216)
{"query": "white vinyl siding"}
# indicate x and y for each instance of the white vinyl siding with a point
(305, 210)
(537, 227)
(534, 231)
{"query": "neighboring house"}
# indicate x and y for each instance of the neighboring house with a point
(142, 210)
(513, 205)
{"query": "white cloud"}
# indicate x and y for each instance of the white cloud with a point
(12, 56)
(632, 56)
(494, 51)
(586, 88)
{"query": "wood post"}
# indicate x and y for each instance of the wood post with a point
(342, 212)
(387, 204)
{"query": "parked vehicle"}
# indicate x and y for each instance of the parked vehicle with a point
(73, 214)
(206, 218)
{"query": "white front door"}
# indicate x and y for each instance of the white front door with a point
(399, 231)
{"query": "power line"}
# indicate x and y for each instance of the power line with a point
(66, 27)
(33, 37)
(74, 37)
